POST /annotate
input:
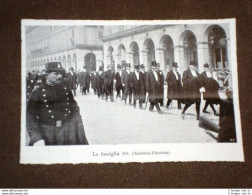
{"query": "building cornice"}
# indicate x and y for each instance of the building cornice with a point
(133, 31)
(41, 52)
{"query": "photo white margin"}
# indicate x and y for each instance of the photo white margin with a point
(174, 152)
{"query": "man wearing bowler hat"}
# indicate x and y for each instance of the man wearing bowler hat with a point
(211, 86)
(53, 116)
(153, 87)
(191, 87)
(173, 80)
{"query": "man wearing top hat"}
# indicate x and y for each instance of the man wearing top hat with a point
(109, 83)
(53, 116)
(173, 80)
(153, 87)
(211, 86)
(191, 88)
(137, 83)
(118, 82)
(161, 87)
(126, 79)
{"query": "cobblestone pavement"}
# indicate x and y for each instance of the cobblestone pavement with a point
(117, 123)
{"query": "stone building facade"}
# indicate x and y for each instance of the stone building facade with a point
(73, 46)
(181, 43)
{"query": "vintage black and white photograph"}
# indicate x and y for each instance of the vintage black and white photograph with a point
(129, 91)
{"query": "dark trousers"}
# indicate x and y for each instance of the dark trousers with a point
(152, 104)
(109, 92)
(161, 101)
(128, 94)
(118, 92)
(84, 90)
(211, 105)
(197, 108)
(169, 102)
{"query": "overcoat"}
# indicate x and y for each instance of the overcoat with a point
(126, 81)
(99, 82)
(174, 86)
(84, 79)
(72, 80)
(53, 115)
(138, 86)
(79, 75)
(161, 83)
(93, 80)
(109, 80)
(191, 86)
(152, 87)
(118, 79)
(211, 88)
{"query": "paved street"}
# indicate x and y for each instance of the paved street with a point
(117, 123)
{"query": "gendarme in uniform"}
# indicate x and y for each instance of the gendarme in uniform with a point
(53, 116)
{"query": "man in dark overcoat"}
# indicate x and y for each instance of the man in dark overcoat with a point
(52, 116)
(173, 80)
(109, 83)
(88, 81)
(161, 87)
(211, 86)
(137, 82)
(126, 84)
(118, 82)
(152, 87)
(84, 81)
(191, 87)
(72, 80)
(144, 73)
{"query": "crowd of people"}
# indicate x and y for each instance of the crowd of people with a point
(136, 85)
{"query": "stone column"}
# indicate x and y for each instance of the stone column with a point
(80, 63)
(130, 58)
(98, 64)
(229, 62)
(159, 53)
(117, 59)
(179, 57)
(143, 58)
(108, 61)
(203, 55)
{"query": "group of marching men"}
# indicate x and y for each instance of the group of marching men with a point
(148, 86)
(52, 112)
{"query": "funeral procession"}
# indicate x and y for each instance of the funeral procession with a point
(128, 84)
